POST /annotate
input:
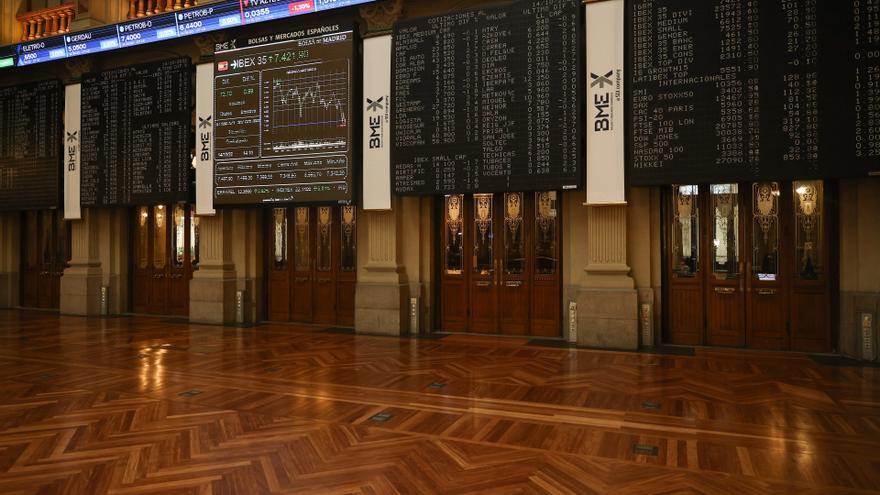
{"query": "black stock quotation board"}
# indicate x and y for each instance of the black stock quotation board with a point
(282, 110)
(30, 145)
(758, 90)
(489, 100)
(136, 134)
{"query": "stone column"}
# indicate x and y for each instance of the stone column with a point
(81, 283)
(381, 298)
(607, 301)
(10, 258)
(212, 289)
(115, 256)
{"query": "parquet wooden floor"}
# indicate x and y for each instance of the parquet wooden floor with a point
(146, 405)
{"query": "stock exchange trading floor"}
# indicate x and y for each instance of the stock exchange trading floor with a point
(150, 405)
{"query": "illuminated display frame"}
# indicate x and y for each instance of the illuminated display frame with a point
(162, 27)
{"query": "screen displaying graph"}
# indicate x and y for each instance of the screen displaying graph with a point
(309, 108)
(282, 110)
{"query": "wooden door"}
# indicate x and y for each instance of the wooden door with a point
(279, 269)
(546, 320)
(346, 276)
(499, 269)
(301, 294)
(484, 266)
(312, 264)
(141, 272)
(811, 314)
(515, 245)
(685, 281)
(183, 257)
(767, 283)
(30, 259)
(326, 265)
(164, 256)
(725, 288)
(45, 255)
(160, 261)
(455, 263)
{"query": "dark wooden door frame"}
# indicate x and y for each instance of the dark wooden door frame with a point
(499, 282)
(753, 289)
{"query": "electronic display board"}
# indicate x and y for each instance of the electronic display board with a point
(30, 145)
(740, 91)
(283, 118)
(489, 100)
(135, 134)
(211, 17)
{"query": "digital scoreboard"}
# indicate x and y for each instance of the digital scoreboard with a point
(135, 134)
(489, 100)
(283, 118)
(30, 145)
(211, 17)
(740, 91)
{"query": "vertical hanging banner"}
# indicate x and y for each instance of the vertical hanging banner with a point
(377, 123)
(606, 114)
(72, 123)
(203, 162)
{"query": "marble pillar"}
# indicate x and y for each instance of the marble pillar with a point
(382, 294)
(82, 280)
(213, 286)
(607, 299)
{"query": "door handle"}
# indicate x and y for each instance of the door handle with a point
(514, 283)
(301, 280)
(766, 292)
(158, 275)
(484, 283)
(725, 290)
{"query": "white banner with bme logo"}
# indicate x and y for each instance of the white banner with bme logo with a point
(72, 124)
(377, 123)
(606, 115)
(203, 162)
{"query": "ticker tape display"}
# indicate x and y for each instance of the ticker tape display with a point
(178, 24)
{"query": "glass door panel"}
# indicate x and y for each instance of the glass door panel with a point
(808, 239)
(725, 230)
(765, 231)
(686, 231)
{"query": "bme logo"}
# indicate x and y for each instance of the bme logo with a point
(376, 122)
(71, 150)
(602, 101)
(205, 138)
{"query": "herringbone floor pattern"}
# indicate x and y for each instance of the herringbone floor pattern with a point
(146, 405)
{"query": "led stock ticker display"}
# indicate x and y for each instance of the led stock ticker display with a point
(178, 24)
(282, 116)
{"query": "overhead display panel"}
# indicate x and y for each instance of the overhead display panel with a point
(30, 145)
(739, 91)
(212, 17)
(282, 118)
(136, 134)
(489, 100)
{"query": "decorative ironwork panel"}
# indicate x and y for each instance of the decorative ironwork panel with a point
(325, 254)
(160, 237)
(302, 252)
(348, 246)
(685, 236)
(454, 234)
(765, 231)
(808, 211)
(546, 223)
(725, 230)
(483, 234)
